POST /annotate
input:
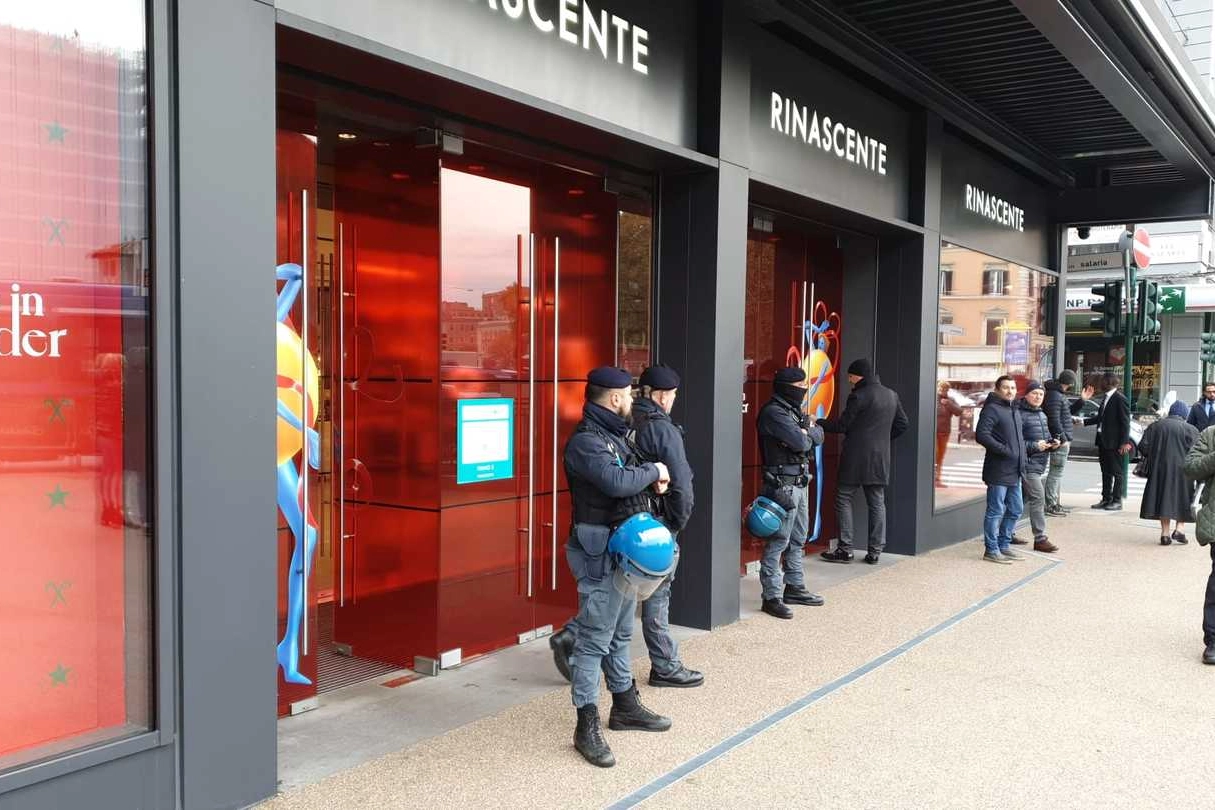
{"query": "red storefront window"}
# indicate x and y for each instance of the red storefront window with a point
(74, 373)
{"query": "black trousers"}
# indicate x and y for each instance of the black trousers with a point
(1208, 609)
(1111, 474)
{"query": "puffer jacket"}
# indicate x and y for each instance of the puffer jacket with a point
(1035, 427)
(1200, 467)
(1058, 411)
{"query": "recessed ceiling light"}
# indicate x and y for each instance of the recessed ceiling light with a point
(399, 176)
(576, 192)
(381, 143)
(347, 136)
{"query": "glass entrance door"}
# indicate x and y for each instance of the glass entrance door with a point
(450, 306)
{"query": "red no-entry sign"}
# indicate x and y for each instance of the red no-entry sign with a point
(1142, 249)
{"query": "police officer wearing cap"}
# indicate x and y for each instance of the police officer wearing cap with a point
(608, 483)
(786, 439)
(657, 439)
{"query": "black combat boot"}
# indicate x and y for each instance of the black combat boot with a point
(798, 595)
(777, 608)
(629, 715)
(588, 738)
(562, 645)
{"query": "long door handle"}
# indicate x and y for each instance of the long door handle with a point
(341, 432)
(531, 411)
(556, 380)
(304, 409)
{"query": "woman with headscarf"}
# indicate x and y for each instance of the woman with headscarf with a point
(1168, 494)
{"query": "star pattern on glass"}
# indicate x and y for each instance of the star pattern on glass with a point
(59, 676)
(57, 227)
(55, 132)
(58, 592)
(58, 497)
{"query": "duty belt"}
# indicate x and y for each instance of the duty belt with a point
(788, 469)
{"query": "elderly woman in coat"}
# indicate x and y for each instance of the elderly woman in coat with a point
(1168, 496)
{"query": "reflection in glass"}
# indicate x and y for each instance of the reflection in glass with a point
(74, 432)
(633, 296)
(992, 320)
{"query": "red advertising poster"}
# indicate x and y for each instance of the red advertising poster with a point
(62, 488)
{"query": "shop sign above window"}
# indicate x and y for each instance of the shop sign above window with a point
(614, 37)
(836, 138)
(999, 211)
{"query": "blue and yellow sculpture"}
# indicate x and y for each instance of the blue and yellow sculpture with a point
(298, 384)
(822, 339)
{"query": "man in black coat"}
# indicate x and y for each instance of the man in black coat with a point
(1059, 420)
(1113, 422)
(1202, 412)
(999, 431)
(872, 417)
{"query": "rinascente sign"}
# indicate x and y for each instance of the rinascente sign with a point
(613, 37)
(999, 211)
(836, 138)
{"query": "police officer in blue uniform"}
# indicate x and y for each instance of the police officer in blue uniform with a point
(657, 439)
(608, 484)
(786, 439)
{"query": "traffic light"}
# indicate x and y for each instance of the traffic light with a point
(1206, 349)
(1110, 307)
(1047, 302)
(1147, 309)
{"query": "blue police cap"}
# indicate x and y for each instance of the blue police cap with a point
(608, 377)
(790, 374)
(660, 378)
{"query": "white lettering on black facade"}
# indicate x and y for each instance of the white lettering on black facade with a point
(613, 38)
(836, 138)
(991, 207)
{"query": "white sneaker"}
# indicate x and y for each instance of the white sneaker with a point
(996, 557)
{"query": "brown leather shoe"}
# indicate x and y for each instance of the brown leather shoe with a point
(1045, 545)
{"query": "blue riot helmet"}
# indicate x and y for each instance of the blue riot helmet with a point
(644, 554)
(764, 517)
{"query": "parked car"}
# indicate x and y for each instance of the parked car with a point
(1085, 436)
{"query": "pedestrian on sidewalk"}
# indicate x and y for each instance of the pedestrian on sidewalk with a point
(1059, 420)
(999, 432)
(1040, 446)
(1200, 467)
(1168, 496)
(872, 417)
(1202, 415)
(947, 409)
(1113, 421)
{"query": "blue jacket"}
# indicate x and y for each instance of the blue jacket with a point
(999, 432)
(660, 439)
(1035, 427)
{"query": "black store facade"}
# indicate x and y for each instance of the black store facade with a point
(452, 196)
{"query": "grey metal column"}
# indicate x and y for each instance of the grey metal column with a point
(228, 568)
(701, 286)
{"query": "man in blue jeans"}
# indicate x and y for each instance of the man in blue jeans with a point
(999, 432)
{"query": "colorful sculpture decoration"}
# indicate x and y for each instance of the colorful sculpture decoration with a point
(822, 339)
(297, 408)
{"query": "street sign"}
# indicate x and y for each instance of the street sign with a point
(1172, 299)
(1142, 249)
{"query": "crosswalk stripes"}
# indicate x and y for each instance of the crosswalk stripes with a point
(963, 475)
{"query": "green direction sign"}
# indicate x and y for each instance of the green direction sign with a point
(1172, 299)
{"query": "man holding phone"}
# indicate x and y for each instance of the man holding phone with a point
(1039, 444)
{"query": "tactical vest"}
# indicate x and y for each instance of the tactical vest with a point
(594, 507)
(778, 458)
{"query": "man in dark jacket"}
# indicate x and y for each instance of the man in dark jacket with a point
(786, 438)
(657, 439)
(872, 417)
(1202, 412)
(999, 432)
(1113, 422)
(1059, 421)
(1040, 446)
